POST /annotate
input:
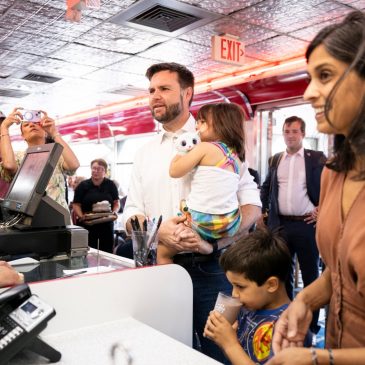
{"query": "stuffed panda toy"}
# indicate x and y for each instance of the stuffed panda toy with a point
(186, 141)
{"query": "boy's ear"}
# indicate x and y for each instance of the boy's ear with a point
(272, 284)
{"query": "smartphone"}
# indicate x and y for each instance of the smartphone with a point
(33, 116)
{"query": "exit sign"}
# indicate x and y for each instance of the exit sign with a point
(228, 49)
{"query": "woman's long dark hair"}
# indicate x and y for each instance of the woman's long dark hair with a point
(345, 42)
(228, 123)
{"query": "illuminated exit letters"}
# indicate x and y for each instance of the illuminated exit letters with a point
(228, 49)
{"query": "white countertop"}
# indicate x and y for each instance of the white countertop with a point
(92, 345)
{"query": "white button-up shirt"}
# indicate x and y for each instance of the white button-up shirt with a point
(152, 192)
(293, 195)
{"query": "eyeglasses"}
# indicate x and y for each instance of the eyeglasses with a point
(98, 169)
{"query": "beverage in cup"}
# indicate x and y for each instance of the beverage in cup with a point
(228, 306)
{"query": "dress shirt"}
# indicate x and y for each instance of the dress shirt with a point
(153, 192)
(293, 195)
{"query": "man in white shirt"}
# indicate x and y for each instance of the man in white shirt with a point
(152, 192)
(290, 195)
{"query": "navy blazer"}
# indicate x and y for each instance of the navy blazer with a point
(314, 163)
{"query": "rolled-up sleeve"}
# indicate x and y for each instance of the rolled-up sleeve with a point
(248, 193)
(134, 204)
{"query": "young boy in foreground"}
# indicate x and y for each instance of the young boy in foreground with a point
(256, 266)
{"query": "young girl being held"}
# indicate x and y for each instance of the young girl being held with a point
(212, 205)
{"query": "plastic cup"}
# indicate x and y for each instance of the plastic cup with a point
(228, 306)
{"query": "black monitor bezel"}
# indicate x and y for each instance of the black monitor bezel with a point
(30, 206)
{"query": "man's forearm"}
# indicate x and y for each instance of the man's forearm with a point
(250, 214)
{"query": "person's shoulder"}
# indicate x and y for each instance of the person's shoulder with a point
(275, 157)
(317, 156)
(85, 183)
(109, 182)
(313, 153)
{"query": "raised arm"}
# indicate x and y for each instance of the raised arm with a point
(71, 162)
(9, 163)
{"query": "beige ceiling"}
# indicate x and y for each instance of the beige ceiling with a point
(99, 62)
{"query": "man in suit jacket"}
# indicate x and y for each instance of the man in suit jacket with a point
(290, 196)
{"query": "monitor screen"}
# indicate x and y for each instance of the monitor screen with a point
(32, 177)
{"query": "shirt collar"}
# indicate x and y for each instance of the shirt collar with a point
(189, 126)
(299, 153)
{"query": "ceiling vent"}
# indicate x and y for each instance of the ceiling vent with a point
(129, 90)
(10, 93)
(40, 78)
(168, 17)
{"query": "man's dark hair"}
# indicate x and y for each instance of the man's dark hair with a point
(293, 119)
(185, 76)
(258, 256)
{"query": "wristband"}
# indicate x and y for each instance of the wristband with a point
(330, 354)
(314, 356)
(214, 243)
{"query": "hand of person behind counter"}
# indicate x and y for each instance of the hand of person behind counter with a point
(9, 276)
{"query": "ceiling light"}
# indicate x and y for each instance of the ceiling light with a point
(120, 41)
(81, 131)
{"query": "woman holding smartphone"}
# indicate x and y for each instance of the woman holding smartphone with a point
(35, 130)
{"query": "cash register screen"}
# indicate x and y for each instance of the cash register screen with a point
(32, 177)
(31, 171)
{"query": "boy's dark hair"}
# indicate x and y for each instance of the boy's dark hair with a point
(258, 256)
(228, 123)
(185, 76)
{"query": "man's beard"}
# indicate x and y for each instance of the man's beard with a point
(172, 111)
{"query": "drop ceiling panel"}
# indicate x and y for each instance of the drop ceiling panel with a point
(277, 48)
(279, 16)
(60, 68)
(222, 6)
(90, 56)
(177, 50)
(117, 38)
(248, 33)
(134, 65)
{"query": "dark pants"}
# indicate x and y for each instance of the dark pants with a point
(104, 232)
(208, 279)
(300, 238)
